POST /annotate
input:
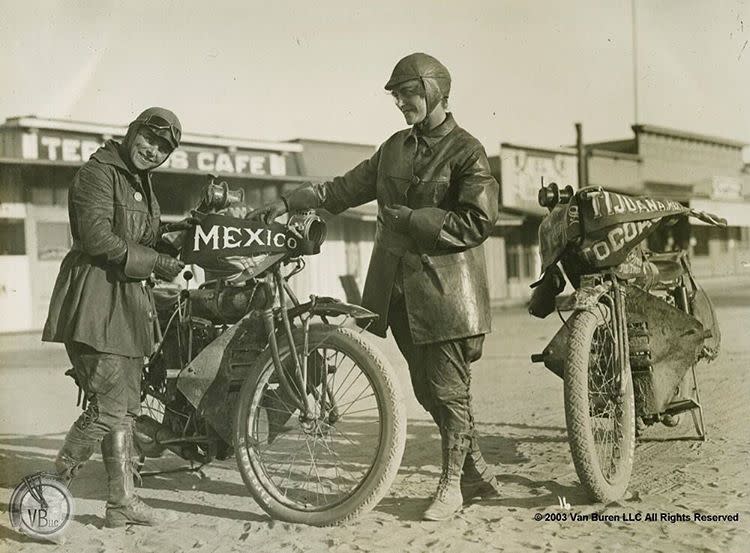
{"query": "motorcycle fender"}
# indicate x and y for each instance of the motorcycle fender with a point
(331, 307)
(587, 297)
(583, 299)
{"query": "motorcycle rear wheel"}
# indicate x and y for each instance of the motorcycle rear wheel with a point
(600, 421)
(338, 465)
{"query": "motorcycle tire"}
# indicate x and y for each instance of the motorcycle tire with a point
(276, 447)
(592, 400)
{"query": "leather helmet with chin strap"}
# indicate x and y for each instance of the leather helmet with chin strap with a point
(434, 76)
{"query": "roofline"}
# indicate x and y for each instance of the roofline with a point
(666, 131)
(334, 142)
(598, 152)
(561, 150)
(33, 122)
(572, 151)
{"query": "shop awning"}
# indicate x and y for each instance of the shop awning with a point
(737, 214)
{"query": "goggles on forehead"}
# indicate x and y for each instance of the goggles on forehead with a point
(158, 124)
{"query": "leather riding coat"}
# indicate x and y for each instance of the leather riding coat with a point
(444, 177)
(100, 297)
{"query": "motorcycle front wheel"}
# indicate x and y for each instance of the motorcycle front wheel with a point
(599, 419)
(339, 461)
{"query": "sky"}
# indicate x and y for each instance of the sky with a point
(523, 71)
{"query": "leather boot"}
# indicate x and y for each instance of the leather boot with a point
(448, 499)
(478, 478)
(123, 506)
(76, 450)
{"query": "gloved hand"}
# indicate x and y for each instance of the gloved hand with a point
(238, 211)
(396, 217)
(268, 212)
(185, 224)
(167, 267)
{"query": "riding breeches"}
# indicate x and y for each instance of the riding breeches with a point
(111, 384)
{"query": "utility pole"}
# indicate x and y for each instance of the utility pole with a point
(583, 172)
(635, 61)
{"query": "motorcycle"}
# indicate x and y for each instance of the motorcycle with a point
(639, 324)
(310, 409)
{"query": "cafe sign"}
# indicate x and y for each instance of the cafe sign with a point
(522, 171)
(50, 146)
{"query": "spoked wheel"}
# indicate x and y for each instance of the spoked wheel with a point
(339, 461)
(153, 408)
(600, 420)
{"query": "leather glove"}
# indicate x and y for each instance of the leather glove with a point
(167, 267)
(396, 217)
(268, 212)
(236, 211)
(186, 224)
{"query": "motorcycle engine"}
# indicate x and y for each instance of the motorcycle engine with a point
(166, 410)
(174, 355)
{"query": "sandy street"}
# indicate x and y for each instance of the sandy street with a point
(520, 410)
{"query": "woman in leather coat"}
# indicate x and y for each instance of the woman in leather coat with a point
(100, 307)
(427, 280)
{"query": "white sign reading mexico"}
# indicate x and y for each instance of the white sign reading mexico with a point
(59, 147)
(522, 170)
(219, 236)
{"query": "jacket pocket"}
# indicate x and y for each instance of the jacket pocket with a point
(447, 272)
(429, 193)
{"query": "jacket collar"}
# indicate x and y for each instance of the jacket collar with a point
(433, 136)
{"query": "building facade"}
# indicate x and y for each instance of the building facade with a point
(39, 157)
(703, 172)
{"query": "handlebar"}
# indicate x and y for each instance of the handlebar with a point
(309, 229)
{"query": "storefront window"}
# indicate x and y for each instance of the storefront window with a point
(512, 262)
(529, 257)
(700, 240)
(53, 240)
(12, 237)
(726, 237)
(49, 195)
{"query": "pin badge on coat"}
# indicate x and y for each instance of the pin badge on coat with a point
(138, 196)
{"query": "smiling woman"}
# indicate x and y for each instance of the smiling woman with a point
(100, 307)
(147, 150)
(154, 139)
